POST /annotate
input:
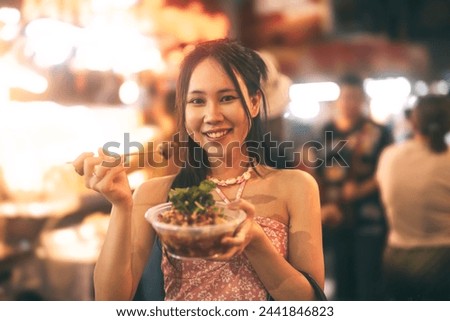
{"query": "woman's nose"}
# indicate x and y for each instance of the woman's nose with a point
(213, 113)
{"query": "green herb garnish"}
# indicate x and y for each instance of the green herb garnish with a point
(193, 200)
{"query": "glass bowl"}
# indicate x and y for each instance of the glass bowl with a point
(191, 242)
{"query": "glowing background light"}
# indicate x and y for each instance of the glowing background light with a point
(29, 81)
(117, 48)
(388, 96)
(388, 87)
(50, 42)
(304, 109)
(10, 18)
(129, 92)
(41, 135)
(9, 15)
(306, 97)
(102, 5)
(318, 91)
(421, 88)
(440, 87)
(14, 75)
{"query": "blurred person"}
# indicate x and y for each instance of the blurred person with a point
(353, 220)
(276, 89)
(414, 179)
(159, 106)
(158, 111)
(220, 101)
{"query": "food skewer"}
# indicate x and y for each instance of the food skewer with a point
(164, 149)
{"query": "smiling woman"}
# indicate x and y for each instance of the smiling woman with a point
(221, 112)
(220, 102)
(214, 112)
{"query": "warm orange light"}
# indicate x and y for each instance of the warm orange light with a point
(150, 17)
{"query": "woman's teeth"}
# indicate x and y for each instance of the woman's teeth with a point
(217, 134)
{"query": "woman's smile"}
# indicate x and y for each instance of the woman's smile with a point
(217, 134)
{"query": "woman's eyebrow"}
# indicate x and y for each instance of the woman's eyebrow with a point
(221, 91)
(196, 92)
(227, 90)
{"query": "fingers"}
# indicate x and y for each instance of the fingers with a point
(78, 163)
(89, 166)
(244, 205)
(95, 169)
(240, 236)
(84, 163)
(107, 175)
(101, 153)
(243, 234)
(100, 170)
(231, 251)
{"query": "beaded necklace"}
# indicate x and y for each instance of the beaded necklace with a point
(242, 180)
(231, 181)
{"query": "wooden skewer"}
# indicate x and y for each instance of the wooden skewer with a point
(164, 149)
(124, 156)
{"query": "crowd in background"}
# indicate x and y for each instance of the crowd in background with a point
(385, 201)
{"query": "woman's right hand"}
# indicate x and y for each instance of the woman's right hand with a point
(100, 175)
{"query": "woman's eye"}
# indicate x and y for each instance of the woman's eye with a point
(228, 98)
(196, 101)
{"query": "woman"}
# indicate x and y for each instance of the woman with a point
(414, 179)
(219, 99)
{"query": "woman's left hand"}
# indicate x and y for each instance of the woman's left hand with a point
(243, 234)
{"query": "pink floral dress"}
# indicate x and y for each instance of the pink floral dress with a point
(203, 280)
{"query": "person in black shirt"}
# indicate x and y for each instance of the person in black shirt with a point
(352, 215)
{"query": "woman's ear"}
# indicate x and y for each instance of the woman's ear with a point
(255, 104)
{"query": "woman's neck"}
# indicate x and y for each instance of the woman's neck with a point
(224, 169)
(420, 138)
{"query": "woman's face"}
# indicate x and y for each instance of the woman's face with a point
(215, 116)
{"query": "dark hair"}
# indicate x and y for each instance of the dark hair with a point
(350, 79)
(432, 119)
(234, 58)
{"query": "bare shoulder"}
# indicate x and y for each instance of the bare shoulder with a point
(300, 192)
(153, 191)
(294, 180)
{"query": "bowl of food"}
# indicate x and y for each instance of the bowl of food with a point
(192, 225)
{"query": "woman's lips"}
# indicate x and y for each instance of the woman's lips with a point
(217, 134)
